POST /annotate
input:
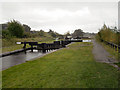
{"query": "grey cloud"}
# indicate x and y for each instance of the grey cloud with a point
(61, 17)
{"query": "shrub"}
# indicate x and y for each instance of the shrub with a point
(6, 34)
(15, 29)
(108, 34)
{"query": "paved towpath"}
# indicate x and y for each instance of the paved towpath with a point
(101, 55)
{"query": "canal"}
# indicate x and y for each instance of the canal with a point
(11, 60)
(18, 58)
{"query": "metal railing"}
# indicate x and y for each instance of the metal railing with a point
(112, 45)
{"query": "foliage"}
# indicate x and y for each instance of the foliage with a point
(78, 33)
(6, 34)
(27, 35)
(15, 29)
(67, 33)
(108, 34)
(41, 33)
(10, 44)
(52, 33)
(55, 34)
(26, 28)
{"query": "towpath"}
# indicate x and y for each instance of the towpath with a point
(101, 55)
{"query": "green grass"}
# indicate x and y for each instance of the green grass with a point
(11, 48)
(71, 67)
(10, 45)
(118, 64)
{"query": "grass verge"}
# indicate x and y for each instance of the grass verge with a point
(71, 67)
(10, 45)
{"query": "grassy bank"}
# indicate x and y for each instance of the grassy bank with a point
(10, 44)
(71, 67)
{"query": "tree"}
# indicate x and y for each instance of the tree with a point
(26, 28)
(15, 29)
(52, 33)
(41, 33)
(67, 33)
(108, 34)
(78, 33)
(6, 34)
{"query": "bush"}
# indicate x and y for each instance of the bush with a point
(6, 34)
(15, 29)
(108, 34)
(27, 35)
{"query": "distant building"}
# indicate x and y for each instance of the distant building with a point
(68, 37)
(3, 26)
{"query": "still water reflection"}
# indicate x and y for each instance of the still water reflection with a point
(19, 58)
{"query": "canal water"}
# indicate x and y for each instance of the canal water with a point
(21, 57)
(86, 40)
(11, 60)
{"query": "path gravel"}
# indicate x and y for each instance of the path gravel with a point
(101, 55)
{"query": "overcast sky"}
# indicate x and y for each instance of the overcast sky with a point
(61, 16)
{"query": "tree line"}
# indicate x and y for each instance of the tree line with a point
(17, 30)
